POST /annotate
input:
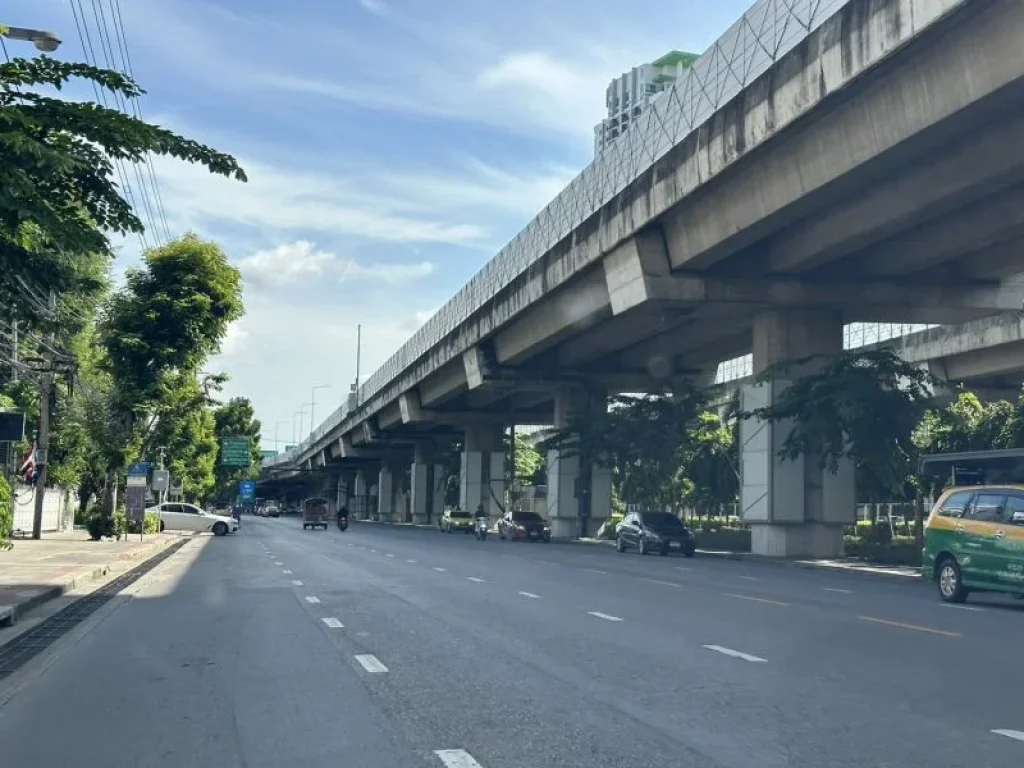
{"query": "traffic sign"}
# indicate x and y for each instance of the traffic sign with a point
(247, 489)
(161, 480)
(235, 452)
(140, 468)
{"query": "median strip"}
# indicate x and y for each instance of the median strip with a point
(370, 663)
(914, 627)
(735, 654)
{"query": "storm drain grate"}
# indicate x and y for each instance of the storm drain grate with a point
(22, 649)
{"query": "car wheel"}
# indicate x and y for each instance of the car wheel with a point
(641, 547)
(620, 545)
(501, 535)
(220, 529)
(664, 550)
(690, 550)
(951, 585)
(162, 526)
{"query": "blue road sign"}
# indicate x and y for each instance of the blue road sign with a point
(140, 468)
(247, 489)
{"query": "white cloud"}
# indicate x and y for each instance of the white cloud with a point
(374, 6)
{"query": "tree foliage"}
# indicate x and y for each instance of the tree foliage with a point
(58, 195)
(862, 405)
(236, 418)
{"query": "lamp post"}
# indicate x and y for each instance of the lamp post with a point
(302, 415)
(276, 428)
(312, 404)
(47, 42)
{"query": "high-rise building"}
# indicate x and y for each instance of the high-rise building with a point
(633, 92)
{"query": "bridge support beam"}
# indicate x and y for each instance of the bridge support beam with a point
(361, 496)
(794, 507)
(482, 474)
(426, 480)
(578, 501)
(389, 486)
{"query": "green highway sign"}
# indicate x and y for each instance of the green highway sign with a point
(234, 452)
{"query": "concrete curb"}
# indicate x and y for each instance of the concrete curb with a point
(78, 581)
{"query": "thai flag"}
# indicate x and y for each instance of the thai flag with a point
(28, 467)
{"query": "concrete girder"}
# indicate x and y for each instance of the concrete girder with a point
(389, 415)
(982, 363)
(443, 384)
(410, 407)
(935, 186)
(934, 83)
(620, 332)
(981, 224)
(562, 313)
(710, 326)
(1001, 259)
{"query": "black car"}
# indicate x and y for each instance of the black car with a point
(524, 525)
(654, 532)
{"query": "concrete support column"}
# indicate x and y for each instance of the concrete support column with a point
(387, 485)
(427, 484)
(482, 472)
(794, 508)
(360, 505)
(344, 491)
(578, 502)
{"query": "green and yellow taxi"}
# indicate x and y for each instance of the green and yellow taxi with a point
(974, 541)
(455, 520)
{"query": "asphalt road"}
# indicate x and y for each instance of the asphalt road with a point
(401, 646)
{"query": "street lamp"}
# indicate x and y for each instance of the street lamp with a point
(301, 414)
(276, 427)
(312, 405)
(47, 42)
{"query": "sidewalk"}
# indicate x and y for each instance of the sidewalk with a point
(36, 571)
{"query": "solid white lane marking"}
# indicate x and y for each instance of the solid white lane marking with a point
(312, 600)
(659, 581)
(442, 570)
(457, 758)
(410, 561)
(370, 662)
(546, 562)
(604, 616)
(596, 570)
(1018, 735)
(736, 654)
(333, 623)
(840, 591)
(297, 583)
(748, 578)
(914, 627)
(286, 572)
(755, 599)
(530, 595)
(962, 607)
(474, 578)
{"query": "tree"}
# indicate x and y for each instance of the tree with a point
(863, 406)
(530, 464)
(58, 196)
(236, 418)
(157, 332)
(711, 464)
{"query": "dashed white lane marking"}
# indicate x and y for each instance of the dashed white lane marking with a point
(840, 591)
(410, 561)
(278, 563)
(313, 600)
(1018, 735)
(659, 581)
(373, 551)
(546, 562)
(286, 572)
(333, 623)
(755, 599)
(370, 662)
(604, 616)
(441, 570)
(350, 544)
(748, 578)
(682, 568)
(457, 758)
(962, 607)
(736, 654)
(596, 570)
(388, 555)
(530, 595)
(297, 583)
(915, 627)
(474, 578)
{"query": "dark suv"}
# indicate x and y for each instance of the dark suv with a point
(654, 532)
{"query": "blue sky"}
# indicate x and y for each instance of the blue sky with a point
(392, 146)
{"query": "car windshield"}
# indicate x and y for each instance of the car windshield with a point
(526, 517)
(662, 520)
(460, 513)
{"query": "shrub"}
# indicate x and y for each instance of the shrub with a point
(903, 550)
(607, 529)
(6, 514)
(724, 540)
(123, 526)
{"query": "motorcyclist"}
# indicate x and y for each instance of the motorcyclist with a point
(343, 514)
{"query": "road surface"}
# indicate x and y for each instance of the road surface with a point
(394, 646)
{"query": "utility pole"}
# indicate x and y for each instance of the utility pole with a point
(359, 355)
(43, 439)
(14, 350)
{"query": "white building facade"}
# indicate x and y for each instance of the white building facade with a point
(633, 92)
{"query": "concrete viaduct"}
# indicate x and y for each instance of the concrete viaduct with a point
(823, 163)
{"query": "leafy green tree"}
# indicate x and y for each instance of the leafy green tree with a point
(58, 194)
(711, 464)
(530, 464)
(863, 406)
(236, 418)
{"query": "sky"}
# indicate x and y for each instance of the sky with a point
(392, 148)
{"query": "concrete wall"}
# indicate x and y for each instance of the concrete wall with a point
(58, 509)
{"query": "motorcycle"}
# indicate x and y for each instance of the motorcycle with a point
(481, 528)
(342, 522)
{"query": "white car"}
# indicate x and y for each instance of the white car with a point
(175, 516)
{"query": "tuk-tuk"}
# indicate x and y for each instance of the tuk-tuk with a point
(314, 513)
